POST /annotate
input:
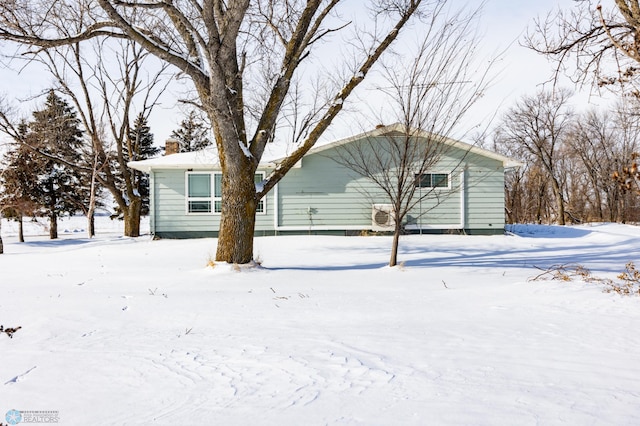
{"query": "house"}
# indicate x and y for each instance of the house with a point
(321, 196)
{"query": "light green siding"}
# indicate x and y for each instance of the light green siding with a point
(324, 196)
(485, 198)
(170, 217)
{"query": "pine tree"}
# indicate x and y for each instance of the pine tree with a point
(139, 147)
(54, 141)
(18, 180)
(192, 134)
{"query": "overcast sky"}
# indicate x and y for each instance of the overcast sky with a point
(524, 71)
(503, 23)
(506, 21)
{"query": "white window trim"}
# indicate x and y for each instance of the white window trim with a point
(213, 197)
(436, 188)
(263, 199)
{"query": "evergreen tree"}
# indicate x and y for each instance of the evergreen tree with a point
(55, 140)
(139, 147)
(18, 180)
(192, 134)
(141, 141)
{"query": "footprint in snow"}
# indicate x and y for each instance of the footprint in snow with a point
(20, 377)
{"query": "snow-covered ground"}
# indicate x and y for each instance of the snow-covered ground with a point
(132, 331)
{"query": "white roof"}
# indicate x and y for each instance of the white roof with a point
(204, 159)
(208, 158)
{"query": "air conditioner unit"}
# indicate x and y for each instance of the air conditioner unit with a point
(382, 217)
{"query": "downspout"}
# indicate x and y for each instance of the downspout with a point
(463, 201)
(152, 203)
(276, 209)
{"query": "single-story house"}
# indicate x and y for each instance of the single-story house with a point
(322, 196)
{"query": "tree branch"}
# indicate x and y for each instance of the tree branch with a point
(338, 102)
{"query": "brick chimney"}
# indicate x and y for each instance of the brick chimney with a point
(171, 146)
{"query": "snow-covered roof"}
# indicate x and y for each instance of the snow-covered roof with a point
(208, 158)
(204, 158)
(401, 128)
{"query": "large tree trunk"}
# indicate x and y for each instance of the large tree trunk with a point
(132, 218)
(20, 229)
(91, 217)
(237, 223)
(131, 207)
(53, 226)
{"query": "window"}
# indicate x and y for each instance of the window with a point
(217, 192)
(432, 180)
(199, 192)
(258, 178)
(204, 192)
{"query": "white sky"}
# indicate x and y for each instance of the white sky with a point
(524, 71)
(503, 23)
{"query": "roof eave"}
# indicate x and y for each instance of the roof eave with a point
(147, 168)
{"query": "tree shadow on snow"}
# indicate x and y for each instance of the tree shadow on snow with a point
(354, 267)
(547, 231)
(606, 256)
(62, 242)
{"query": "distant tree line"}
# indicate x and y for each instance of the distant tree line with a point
(572, 163)
(578, 167)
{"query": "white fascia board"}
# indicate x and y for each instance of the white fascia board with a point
(322, 228)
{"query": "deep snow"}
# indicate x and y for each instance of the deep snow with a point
(133, 331)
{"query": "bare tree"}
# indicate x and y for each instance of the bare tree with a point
(600, 143)
(1, 214)
(626, 177)
(540, 125)
(526, 187)
(595, 145)
(600, 46)
(628, 137)
(218, 45)
(110, 82)
(591, 43)
(591, 148)
(428, 95)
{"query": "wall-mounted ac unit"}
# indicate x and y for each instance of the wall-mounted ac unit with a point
(382, 217)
